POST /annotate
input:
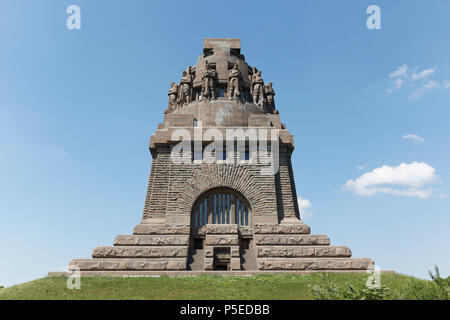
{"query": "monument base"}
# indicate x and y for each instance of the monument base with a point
(224, 249)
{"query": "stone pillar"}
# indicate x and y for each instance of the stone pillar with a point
(235, 258)
(233, 209)
(289, 210)
(210, 208)
(155, 211)
(217, 210)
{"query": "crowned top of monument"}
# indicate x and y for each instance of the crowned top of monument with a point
(221, 79)
(229, 43)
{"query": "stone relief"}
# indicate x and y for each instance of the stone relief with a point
(257, 88)
(173, 93)
(186, 89)
(183, 94)
(270, 102)
(234, 78)
(208, 83)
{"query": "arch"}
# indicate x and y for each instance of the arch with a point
(221, 206)
(240, 178)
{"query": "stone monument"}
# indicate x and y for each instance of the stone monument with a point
(225, 215)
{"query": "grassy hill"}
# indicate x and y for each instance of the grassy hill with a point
(331, 286)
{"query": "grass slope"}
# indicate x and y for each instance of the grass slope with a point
(195, 287)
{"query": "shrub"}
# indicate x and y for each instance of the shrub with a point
(437, 289)
(327, 290)
(415, 289)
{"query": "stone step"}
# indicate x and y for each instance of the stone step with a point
(129, 264)
(303, 251)
(197, 259)
(300, 228)
(151, 240)
(314, 264)
(162, 229)
(289, 240)
(248, 259)
(177, 273)
(140, 252)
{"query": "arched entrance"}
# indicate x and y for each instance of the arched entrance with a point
(221, 232)
(221, 206)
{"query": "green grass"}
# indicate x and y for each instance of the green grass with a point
(202, 287)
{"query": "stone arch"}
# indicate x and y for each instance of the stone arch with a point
(221, 206)
(227, 176)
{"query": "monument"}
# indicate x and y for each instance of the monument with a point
(216, 208)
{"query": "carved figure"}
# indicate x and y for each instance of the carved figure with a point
(173, 93)
(186, 88)
(208, 83)
(234, 79)
(257, 86)
(270, 93)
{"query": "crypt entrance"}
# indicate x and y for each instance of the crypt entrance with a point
(221, 236)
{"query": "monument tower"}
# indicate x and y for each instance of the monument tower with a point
(213, 207)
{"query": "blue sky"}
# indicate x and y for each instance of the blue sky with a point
(77, 108)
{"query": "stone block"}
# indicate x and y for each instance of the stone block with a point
(245, 231)
(209, 251)
(234, 251)
(281, 229)
(161, 229)
(214, 43)
(281, 240)
(151, 240)
(221, 229)
(209, 264)
(235, 264)
(314, 264)
(221, 240)
(303, 251)
(139, 251)
(129, 264)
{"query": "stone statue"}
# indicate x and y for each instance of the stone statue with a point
(270, 93)
(234, 79)
(208, 83)
(257, 88)
(186, 89)
(173, 93)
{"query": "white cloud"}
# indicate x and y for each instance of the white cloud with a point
(398, 78)
(405, 180)
(413, 137)
(422, 74)
(431, 84)
(425, 86)
(399, 72)
(305, 207)
(417, 81)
